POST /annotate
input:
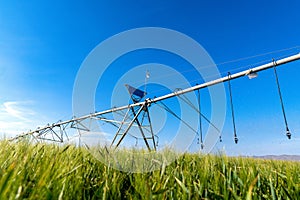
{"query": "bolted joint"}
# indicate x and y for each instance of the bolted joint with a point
(148, 102)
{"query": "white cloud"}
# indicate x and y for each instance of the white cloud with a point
(18, 110)
(17, 117)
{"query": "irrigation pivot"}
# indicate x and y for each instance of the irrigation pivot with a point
(135, 113)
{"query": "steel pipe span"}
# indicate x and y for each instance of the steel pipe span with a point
(148, 102)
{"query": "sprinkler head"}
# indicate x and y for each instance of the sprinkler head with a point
(236, 140)
(221, 139)
(288, 133)
(252, 75)
(202, 145)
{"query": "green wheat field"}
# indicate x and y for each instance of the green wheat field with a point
(48, 171)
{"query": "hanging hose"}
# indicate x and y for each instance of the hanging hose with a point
(232, 111)
(288, 133)
(200, 121)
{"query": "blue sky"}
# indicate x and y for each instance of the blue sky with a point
(42, 45)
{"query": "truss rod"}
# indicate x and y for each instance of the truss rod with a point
(132, 121)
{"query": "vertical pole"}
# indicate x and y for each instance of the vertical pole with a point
(151, 129)
(140, 125)
(146, 79)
